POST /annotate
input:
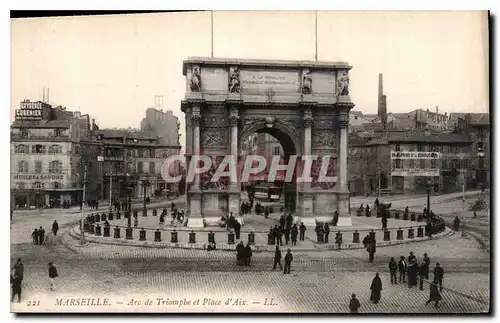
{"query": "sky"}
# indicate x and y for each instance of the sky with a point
(111, 67)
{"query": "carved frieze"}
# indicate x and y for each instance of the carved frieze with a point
(306, 86)
(215, 121)
(323, 123)
(342, 83)
(323, 139)
(214, 137)
(234, 80)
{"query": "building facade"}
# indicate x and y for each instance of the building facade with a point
(410, 162)
(46, 155)
(164, 125)
(131, 163)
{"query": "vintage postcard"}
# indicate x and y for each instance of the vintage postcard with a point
(251, 162)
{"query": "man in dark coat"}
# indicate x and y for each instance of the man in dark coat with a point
(456, 224)
(294, 233)
(335, 218)
(41, 236)
(55, 227)
(384, 222)
(402, 268)
(368, 211)
(289, 220)
(288, 261)
(19, 269)
(278, 235)
(412, 273)
(372, 248)
(277, 258)
(434, 294)
(354, 304)
(393, 270)
(237, 228)
(248, 255)
(52, 276)
(326, 231)
(423, 271)
(282, 222)
(376, 289)
(302, 230)
(438, 275)
(239, 253)
(16, 288)
(319, 233)
(266, 212)
(411, 257)
(286, 233)
(34, 236)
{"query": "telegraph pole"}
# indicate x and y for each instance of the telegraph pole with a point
(82, 232)
(110, 190)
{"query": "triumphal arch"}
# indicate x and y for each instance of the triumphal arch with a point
(304, 104)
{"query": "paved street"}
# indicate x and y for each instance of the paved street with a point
(320, 281)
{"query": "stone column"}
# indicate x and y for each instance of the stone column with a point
(307, 200)
(234, 190)
(342, 188)
(195, 216)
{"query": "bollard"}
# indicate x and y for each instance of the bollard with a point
(142, 235)
(155, 212)
(420, 232)
(372, 235)
(270, 239)
(103, 217)
(157, 235)
(106, 231)
(118, 215)
(411, 233)
(91, 229)
(399, 234)
(97, 217)
(128, 233)
(420, 217)
(116, 233)
(396, 215)
(110, 216)
(211, 237)
(144, 212)
(251, 238)
(413, 217)
(355, 237)
(405, 216)
(230, 238)
(173, 236)
(97, 230)
(192, 237)
(387, 235)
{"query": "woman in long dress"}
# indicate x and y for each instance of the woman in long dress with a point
(434, 295)
(376, 289)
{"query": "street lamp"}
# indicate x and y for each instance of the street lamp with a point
(145, 183)
(82, 231)
(429, 187)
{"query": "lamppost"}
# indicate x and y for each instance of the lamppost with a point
(428, 188)
(128, 210)
(82, 213)
(145, 184)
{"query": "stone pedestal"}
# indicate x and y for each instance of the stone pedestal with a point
(234, 203)
(195, 219)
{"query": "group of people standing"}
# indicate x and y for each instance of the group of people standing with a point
(287, 229)
(38, 235)
(243, 254)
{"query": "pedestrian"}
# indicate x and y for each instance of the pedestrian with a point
(237, 228)
(278, 235)
(423, 271)
(52, 276)
(288, 261)
(372, 248)
(302, 230)
(412, 274)
(456, 224)
(393, 270)
(335, 218)
(294, 234)
(411, 257)
(402, 268)
(376, 289)
(16, 288)
(239, 254)
(438, 275)
(34, 236)
(248, 255)
(282, 221)
(286, 233)
(277, 258)
(326, 231)
(19, 269)
(354, 304)
(434, 293)
(41, 236)
(384, 223)
(55, 227)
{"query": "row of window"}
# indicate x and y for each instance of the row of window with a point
(37, 149)
(117, 152)
(39, 185)
(55, 167)
(119, 167)
(25, 133)
(445, 163)
(445, 149)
